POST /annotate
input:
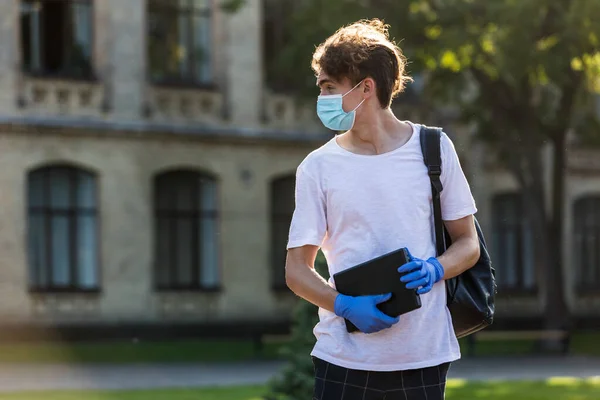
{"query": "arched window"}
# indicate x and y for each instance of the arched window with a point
(282, 210)
(586, 237)
(62, 229)
(187, 256)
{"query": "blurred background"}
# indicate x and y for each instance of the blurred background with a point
(148, 152)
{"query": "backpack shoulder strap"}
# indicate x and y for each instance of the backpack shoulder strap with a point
(431, 148)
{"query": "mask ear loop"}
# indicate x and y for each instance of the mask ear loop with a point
(359, 104)
(355, 86)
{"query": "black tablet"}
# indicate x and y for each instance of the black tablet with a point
(379, 276)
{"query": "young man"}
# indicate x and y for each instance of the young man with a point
(365, 193)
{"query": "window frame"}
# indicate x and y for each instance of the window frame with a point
(580, 205)
(43, 73)
(191, 12)
(276, 218)
(73, 211)
(196, 216)
(520, 287)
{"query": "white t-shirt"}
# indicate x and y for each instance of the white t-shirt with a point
(357, 207)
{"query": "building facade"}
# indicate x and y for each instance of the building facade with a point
(147, 173)
(520, 278)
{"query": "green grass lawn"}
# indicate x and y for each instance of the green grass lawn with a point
(583, 343)
(135, 352)
(217, 350)
(557, 389)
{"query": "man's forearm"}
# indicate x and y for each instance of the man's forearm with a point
(460, 256)
(305, 282)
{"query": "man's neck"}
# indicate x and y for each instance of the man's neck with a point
(381, 133)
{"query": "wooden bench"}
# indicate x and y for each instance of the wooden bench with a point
(514, 335)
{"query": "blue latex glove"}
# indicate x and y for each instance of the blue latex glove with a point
(362, 311)
(421, 274)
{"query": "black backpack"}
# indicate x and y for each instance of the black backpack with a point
(471, 294)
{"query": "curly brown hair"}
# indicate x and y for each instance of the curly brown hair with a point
(360, 50)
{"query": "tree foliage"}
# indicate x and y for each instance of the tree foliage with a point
(522, 74)
(523, 57)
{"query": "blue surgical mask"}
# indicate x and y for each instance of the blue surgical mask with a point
(332, 114)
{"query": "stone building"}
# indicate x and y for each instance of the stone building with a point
(147, 173)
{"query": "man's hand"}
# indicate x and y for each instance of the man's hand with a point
(421, 274)
(362, 311)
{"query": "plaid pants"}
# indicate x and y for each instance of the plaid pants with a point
(337, 383)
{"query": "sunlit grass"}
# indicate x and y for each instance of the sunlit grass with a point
(561, 388)
(582, 343)
(456, 383)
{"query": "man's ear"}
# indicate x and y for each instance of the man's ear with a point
(368, 87)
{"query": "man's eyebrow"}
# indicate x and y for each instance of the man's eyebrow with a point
(324, 81)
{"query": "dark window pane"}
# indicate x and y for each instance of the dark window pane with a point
(187, 251)
(281, 229)
(185, 193)
(283, 195)
(512, 243)
(201, 48)
(35, 189)
(277, 16)
(57, 37)
(62, 236)
(60, 188)
(162, 252)
(209, 234)
(87, 257)
(511, 258)
(185, 246)
(587, 242)
(80, 23)
(61, 263)
(164, 197)
(185, 44)
(179, 48)
(208, 195)
(29, 37)
(37, 256)
(54, 49)
(86, 190)
(282, 209)
(529, 279)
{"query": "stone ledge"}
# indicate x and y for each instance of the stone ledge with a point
(80, 126)
(44, 96)
(188, 105)
(65, 305)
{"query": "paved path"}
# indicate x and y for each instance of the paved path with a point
(68, 377)
(505, 368)
(59, 377)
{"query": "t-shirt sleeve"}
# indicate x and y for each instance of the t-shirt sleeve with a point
(309, 223)
(456, 199)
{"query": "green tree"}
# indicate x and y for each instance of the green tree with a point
(522, 73)
(297, 378)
